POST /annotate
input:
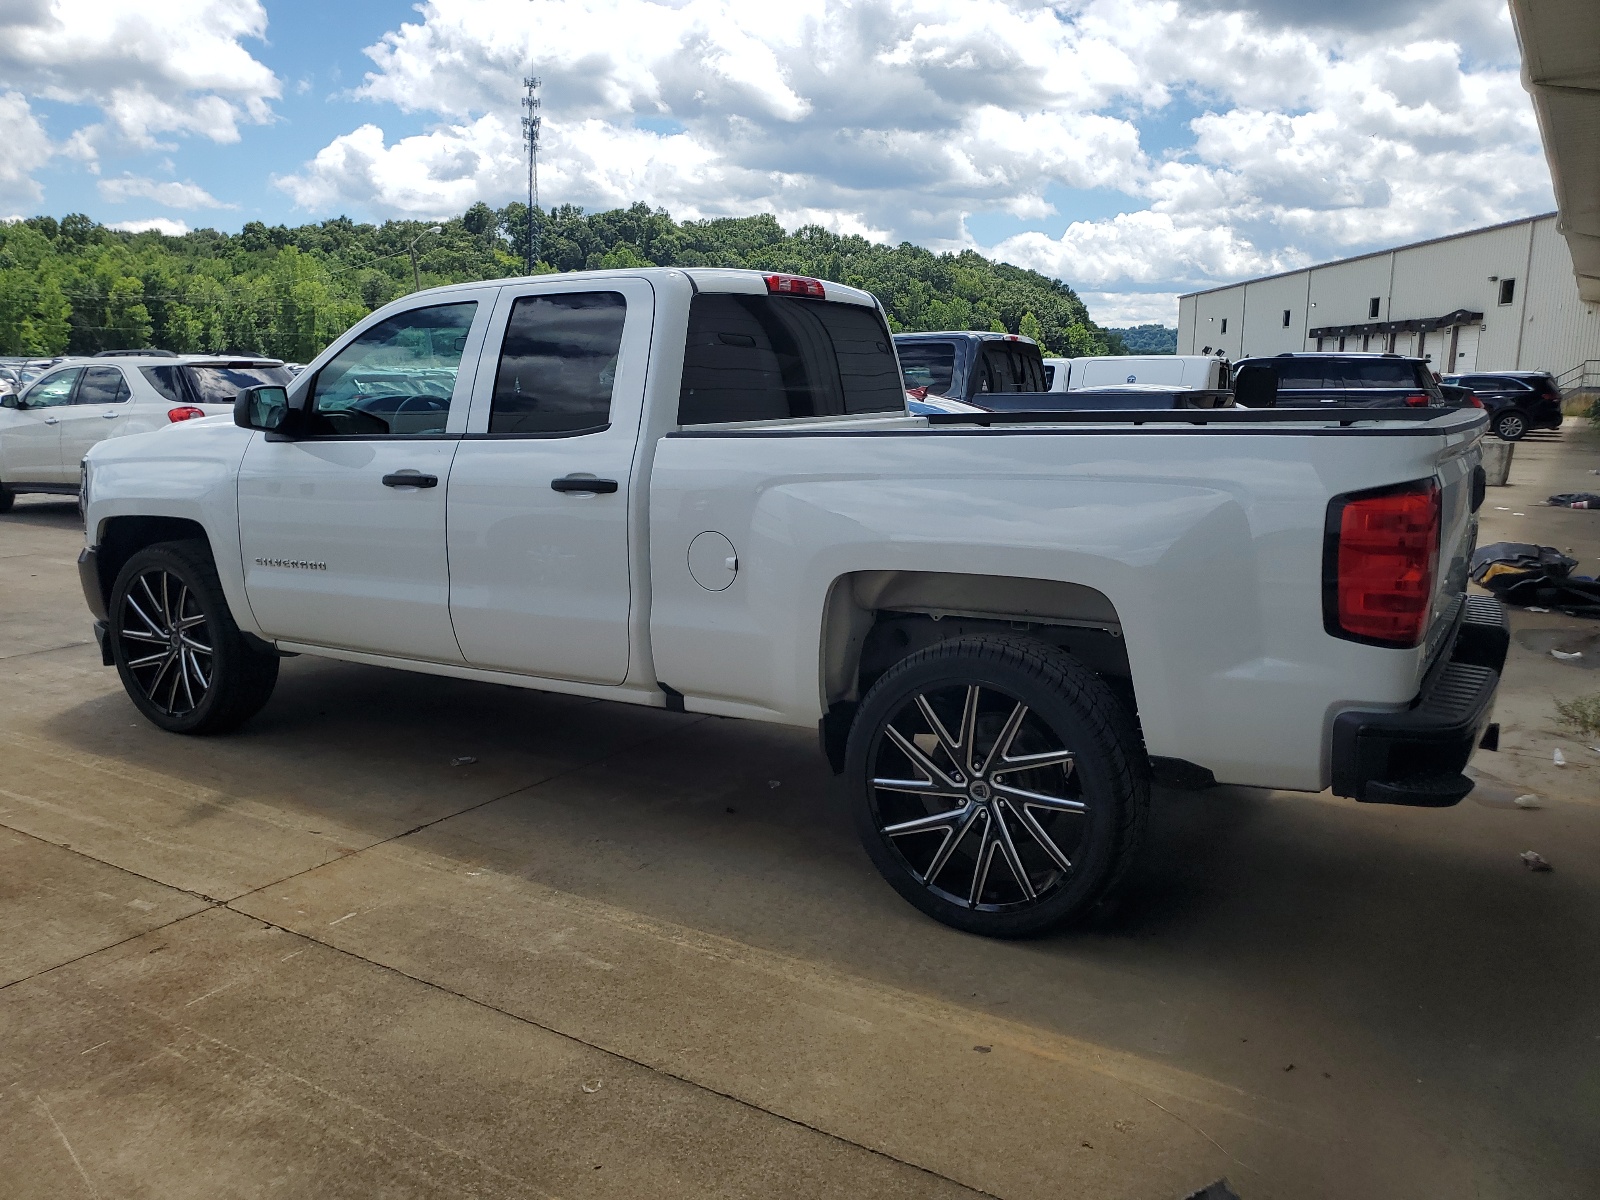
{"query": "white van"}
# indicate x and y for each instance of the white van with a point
(1194, 372)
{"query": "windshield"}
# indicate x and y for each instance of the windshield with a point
(222, 385)
(930, 365)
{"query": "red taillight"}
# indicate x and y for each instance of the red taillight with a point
(1417, 400)
(1383, 564)
(187, 412)
(796, 285)
(1473, 401)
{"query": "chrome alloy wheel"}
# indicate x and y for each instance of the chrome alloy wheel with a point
(165, 642)
(987, 817)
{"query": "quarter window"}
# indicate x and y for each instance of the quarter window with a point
(102, 385)
(558, 364)
(769, 358)
(396, 378)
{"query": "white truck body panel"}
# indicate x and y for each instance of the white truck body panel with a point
(1194, 372)
(1204, 542)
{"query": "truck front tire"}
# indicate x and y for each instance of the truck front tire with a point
(998, 785)
(182, 658)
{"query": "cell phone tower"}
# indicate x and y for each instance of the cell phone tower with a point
(531, 120)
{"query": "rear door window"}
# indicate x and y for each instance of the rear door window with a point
(102, 385)
(928, 364)
(558, 364)
(773, 358)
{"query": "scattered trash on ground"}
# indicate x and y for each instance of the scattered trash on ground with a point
(1214, 1191)
(1527, 800)
(1532, 609)
(466, 760)
(1535, 861)
(1559, 758)
(592, 1086)
(1575, 500)
(983, 1049)
(1565, 656)
(1524, 574)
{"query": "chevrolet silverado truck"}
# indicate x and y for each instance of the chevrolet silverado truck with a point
(697, 489)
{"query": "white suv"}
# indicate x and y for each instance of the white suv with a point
(46, 431)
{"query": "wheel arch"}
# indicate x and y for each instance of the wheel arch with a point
(120, 538)
(872, 619)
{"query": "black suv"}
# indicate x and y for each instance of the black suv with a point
(1359, 380)
(1517, 400)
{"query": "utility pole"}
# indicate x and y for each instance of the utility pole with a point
(416, 273)
(531, 120)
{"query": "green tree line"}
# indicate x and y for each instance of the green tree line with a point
(74, 286)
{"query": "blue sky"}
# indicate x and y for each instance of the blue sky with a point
(1134, 148)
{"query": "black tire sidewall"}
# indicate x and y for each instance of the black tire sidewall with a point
(185, 563)
(1094, 862)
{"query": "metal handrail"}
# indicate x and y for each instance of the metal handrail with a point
(1579, 377)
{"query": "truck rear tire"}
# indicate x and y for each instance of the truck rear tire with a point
(7, 498)
(998, 785)
(184, 662)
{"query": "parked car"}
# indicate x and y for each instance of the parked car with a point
(1358, 380)
(47, 429)
(1517, 400)
(697, 489)
(1194, 371)
(1005, 372)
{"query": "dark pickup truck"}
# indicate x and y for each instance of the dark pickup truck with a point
(1004, 372)
(1359, 380)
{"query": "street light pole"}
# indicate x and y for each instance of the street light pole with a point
(416, 275)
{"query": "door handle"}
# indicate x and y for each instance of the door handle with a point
(410, 479)
(578, 483)
(111, 416)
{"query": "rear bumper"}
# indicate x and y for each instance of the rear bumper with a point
(1415, 756)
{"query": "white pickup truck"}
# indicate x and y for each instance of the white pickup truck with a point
(698, 489)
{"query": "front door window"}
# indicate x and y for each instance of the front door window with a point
(395, 379)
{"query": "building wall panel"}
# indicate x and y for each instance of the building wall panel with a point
(1265, 301)
(1559, 331)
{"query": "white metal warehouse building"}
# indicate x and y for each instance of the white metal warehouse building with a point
(1497, 299)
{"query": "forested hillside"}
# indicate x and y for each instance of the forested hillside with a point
(73, 286)
(1148, 339)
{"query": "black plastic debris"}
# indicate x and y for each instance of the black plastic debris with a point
(1214, 1191)
(1575, 500)
(1527, 575)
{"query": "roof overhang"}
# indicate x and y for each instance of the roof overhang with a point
(1461, 316)
(1560, 42)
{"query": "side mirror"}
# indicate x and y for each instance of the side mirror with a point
(1256, 387)
(10, 400)
(264, 407)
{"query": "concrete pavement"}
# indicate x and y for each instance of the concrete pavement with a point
(628, 952)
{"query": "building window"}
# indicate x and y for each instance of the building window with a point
(1224, 324)
(1286, 318)
(1508, 290)
(1373, 306)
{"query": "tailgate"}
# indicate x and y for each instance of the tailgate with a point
(1461, 490)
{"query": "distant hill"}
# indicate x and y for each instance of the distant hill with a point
(75, 286)
(1148, 339)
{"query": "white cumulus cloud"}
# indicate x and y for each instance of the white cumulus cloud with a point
(170, 193)
(1245, 135)
(163, 225)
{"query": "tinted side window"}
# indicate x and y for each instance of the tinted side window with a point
(558, 363)
(1381, 373)
(396, 378)
(166, 380)
(764, 358)
(1304, 374)
(928, 364)
(102, 385)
